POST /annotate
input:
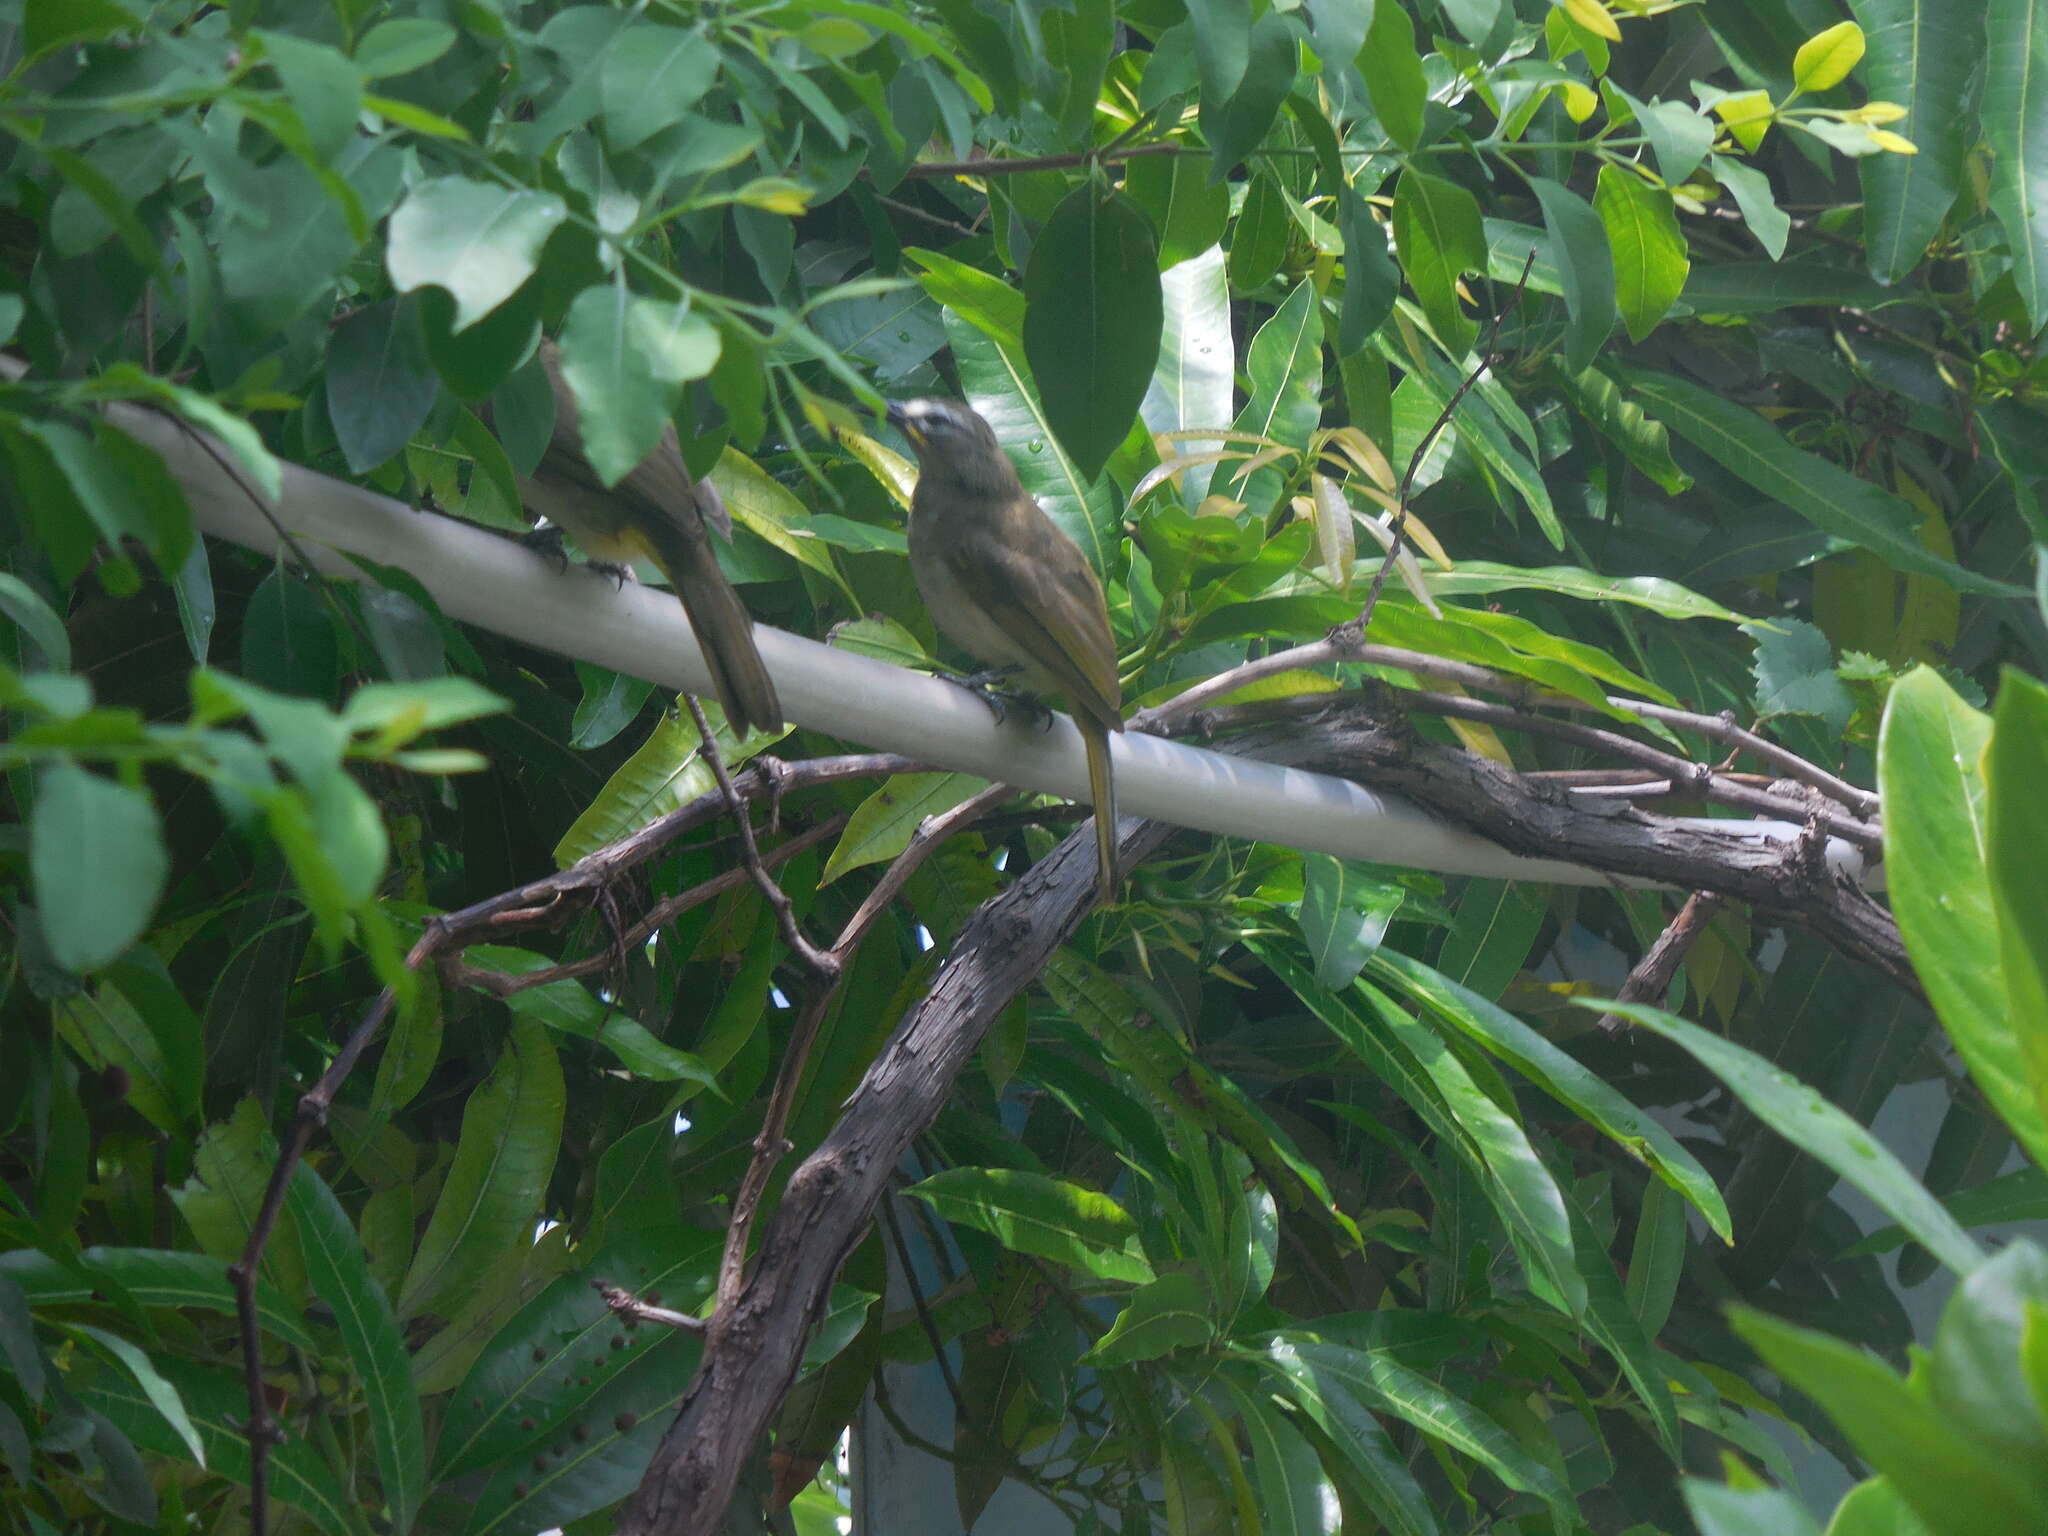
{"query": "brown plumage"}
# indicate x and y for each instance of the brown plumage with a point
(661, 514)
(1001, 580)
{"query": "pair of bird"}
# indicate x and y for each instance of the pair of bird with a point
(997, 575)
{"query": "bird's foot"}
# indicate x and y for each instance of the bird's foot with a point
(547, 543)
(620, 574)
(984, 685)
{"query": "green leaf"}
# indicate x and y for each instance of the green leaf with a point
(2015, 118)
(1578, 246)
(1031, 1213)
(1234, 124)
(1960, 1486)
(1970, 1377)
(402, 45)
(1751, 189)
(1189, 211)
(1377, 1381)
(567, 1005)
(323, 85)
(341, 1278)
(1930, 752)
(1191, 386)
(1371, 280)
(1644, 442)
(1561, 1075)
(1285, 367)
(1378, 1474)
(882, 825)
(626, 359)
(1721, 1510)
(48, 25)
(478, 240)
(1438, 235)
(1345, 910)
(651, 75)
(123, 487)
(137, 1020)
(1657, 1258)
(1258, 240)
(380, 385)
(1829, 497)
(1392, 71)
(98, 863)
(2016, 827)
(1222, 44)
(1795, 673)
(511, 1132)
(546, 1367)
(162, 1395)
(1825, 59)
(1922, 56)
(1800, 1115)
(218, 1408)
(36, 619)
(1667, 598)
(154, 1277)
(1650, 261)
(1295, 1496)
(1092, 320)
(1169, 1313)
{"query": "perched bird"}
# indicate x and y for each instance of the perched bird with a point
(657, 513)
(1001, 580)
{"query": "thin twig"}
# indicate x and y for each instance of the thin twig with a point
(928, 170)
(1651, 977)
(1398, 528)
(629, 1306)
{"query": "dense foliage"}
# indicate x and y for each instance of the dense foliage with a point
(1299, 1195)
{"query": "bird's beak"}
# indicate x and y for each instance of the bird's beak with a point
(899, 418)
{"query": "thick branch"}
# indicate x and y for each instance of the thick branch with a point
(753, 1347)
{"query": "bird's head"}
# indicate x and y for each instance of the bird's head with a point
(953, 445)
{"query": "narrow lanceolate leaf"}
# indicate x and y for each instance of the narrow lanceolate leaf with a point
(1578, 245)
(511, 1131)
(2018, 823)
(1377, 1471)
(1560, 1075)
(1092, 318)
(1930, 753)
(1191, 383)
(882, 826)
(1295, 1494)
(1345, 910)
(362, 1314)
(1650, 260)
(1922, 55)
(1827, 496)
(1818, 1128)
(2015, 121)
(1035, 1214)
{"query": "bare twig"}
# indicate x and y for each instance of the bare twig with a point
(1651, 978)
(1398, 528)
(627, 1305)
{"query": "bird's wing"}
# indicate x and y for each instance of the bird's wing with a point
(1047, 601)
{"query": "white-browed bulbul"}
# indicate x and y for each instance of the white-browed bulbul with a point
(659, 513)
(1001, 580)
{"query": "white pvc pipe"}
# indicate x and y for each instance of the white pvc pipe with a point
(483, 578)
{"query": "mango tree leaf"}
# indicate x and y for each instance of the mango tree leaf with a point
(1438, 234)
(1929, 769)
(511, 1131)
(1031, 1213)
(882, 825)
(626, 359)
(1578, 244)
(1092, 318)
(2015, 118)
(1295, 1496)
(362, 1314)
(1800, 1115)
(1168, 1314)
(1392, 70)
(1235, 123)
(2017, 831)
(1922, 57)
(1345, 910)
(1827, 496)
(1650, 260)
(1378, 1474)
(1191, 385)
(1721, 1510)
(380, 384)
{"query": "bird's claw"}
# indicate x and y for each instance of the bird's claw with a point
(983, 685)
(547, 543)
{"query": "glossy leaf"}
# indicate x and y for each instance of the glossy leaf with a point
(2015, 117)
(479, 241)
(1438, 236)
(1650, 259)
(1818, 1128)
(1929, 764)
(1031, 1213)
(362, 1314)
(1345, 910)
(511, 1132)
(882, 825)
(1921, 56)
(2015, 829)
(1168, 1314)
(1191, 386)
(1578, 245)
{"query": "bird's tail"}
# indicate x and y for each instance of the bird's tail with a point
(1102, 791)
(723, 627)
